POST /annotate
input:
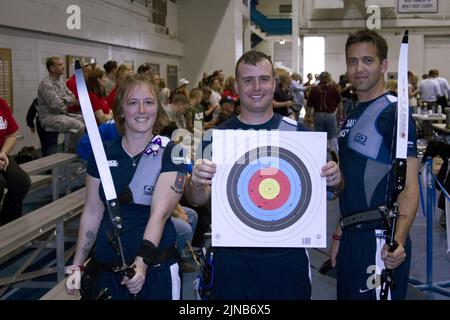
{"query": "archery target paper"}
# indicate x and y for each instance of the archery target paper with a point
(267, 190)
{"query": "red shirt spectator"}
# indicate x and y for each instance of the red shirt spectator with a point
(324, 97)
(111, 97)
(228, 93)
(229, 90)
(99, 103)
(8, 125)
(71, 84)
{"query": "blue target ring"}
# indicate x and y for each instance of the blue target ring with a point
(244, 197)
(300, 189)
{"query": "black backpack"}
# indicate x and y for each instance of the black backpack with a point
(26, 154)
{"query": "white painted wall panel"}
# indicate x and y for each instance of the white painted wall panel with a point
(436, 56)
(106, 21)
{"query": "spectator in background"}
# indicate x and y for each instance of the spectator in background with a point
(96, 88)
(44, 137)
(178, 107)
(72, 86)
(110, 78)
(219, 75)
(95, 66)
(325, 99)
(123, 71)
(156, 80)
(412, 91)
(12, 176)
(184, 220)
(195, 111)
(145, 68)
(227, 109)
(71, 82)
(229, 90)
(391, 87)
(307, 84)
(348, 95)
(164, 96)
(317, 78)
(208, 108)
(309, 76)
(162, 84)
(429, 92)
(282, 98)
(54, 100)
(182, 88)
(444, 87)
(214, 85)
(298, 93)
(204, 82)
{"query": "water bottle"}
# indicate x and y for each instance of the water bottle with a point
(439, 109)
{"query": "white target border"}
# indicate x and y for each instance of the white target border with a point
(228, 230)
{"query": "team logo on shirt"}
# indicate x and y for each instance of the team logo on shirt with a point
(148, 190)
(113, 163)
(3, 123)
(360, 138)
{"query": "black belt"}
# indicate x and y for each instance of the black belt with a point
(371, 216)
(164, 255)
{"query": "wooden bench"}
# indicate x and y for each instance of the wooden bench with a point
(52, 162)
(40, 180)
(18, 233)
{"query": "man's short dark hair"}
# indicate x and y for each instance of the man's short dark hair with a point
(50, 62)
(253, 57)
(110, 66)
(434, 73)
(370, 36)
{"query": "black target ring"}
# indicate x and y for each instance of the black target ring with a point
(294, 211)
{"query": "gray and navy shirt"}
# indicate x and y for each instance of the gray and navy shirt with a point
(138, 175)
(366, 151)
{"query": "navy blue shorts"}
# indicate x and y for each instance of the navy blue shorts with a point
(261, 274)
(357, 267)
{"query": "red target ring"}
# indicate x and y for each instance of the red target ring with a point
(269, 188)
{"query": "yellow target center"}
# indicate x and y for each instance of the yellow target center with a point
(269, 188)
